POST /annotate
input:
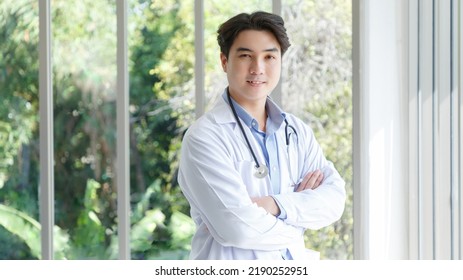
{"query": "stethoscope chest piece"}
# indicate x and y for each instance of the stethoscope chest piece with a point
(261, 171)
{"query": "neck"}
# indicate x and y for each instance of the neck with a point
(257, 110)
(260, 114)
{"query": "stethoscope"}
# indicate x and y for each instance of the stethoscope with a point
(261, 169)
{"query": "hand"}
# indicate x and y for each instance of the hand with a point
(268, 203)
(311, 181)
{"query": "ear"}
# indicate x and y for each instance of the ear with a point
(223, 60)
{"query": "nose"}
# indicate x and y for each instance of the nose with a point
(256, 67)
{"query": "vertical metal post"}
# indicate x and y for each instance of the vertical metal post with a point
(199, 58)
(454, 147)
(457, 125)
(459, 103)
(443, 140)
(277, 92)
(426, 130)
(122, 111)
(360, 157)
(414, 143)
(46, 132)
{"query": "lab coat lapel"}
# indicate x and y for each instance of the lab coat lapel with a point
(285, 181)
(223, 115)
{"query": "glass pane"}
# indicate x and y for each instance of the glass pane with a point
(19, 137)
(161, 106)
(84, 68)
(317, 83)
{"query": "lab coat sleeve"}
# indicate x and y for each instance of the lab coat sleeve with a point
(314, 209)
(213, 187)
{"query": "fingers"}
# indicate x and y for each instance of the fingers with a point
(306, 179)
(311, 181)
(319, 180)
(268, 203)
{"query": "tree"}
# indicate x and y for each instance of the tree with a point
(18, 118)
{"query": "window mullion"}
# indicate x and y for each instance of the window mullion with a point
(199, 58)
(413, 137)
(122, 129)
(442, 131)
(46, 132)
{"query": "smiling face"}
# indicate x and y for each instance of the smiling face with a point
(253, 67)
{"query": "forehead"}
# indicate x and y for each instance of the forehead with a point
(255, 40)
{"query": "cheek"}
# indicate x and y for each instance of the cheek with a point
(274, 70)
(236, 69)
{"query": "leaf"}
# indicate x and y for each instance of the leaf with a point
(29, 230)
(182, 228)
(142, 232)
(23, 226)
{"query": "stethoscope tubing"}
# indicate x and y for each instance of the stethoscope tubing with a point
(262, 170)
(242, 130)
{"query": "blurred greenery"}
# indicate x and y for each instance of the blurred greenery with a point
(161, 60)
(318, 88)
(90, 231)
(334, 129)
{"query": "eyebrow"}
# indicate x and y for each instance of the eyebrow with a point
(242, 49)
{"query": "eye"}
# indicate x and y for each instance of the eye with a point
(245, 55)
(270, 57)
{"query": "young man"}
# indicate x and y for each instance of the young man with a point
(255, 176)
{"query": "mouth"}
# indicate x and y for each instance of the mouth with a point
(255, 83)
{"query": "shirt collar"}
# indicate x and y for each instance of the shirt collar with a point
(276, 115)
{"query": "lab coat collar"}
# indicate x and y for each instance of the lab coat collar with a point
(225, 115)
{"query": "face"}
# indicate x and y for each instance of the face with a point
(253, 66)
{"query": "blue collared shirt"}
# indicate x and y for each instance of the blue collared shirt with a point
(267, 141)
(269, 144)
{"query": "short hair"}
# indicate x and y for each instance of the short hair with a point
(262, 21)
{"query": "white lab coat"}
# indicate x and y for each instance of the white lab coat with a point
(217, 177)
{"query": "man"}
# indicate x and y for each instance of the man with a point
(255, 176)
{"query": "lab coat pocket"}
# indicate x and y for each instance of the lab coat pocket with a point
(256, 187)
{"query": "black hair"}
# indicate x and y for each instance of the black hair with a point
(229, 30)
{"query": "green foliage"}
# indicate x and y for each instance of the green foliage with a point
(89, 233)
(13, 247)
(153, 123)
(332, 123)
(159, 233)
(23, 226)
(152, 235)
(18, 80)
(84, 115)
(317, 87)
(28, 230)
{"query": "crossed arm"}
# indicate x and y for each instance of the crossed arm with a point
(311, 181)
